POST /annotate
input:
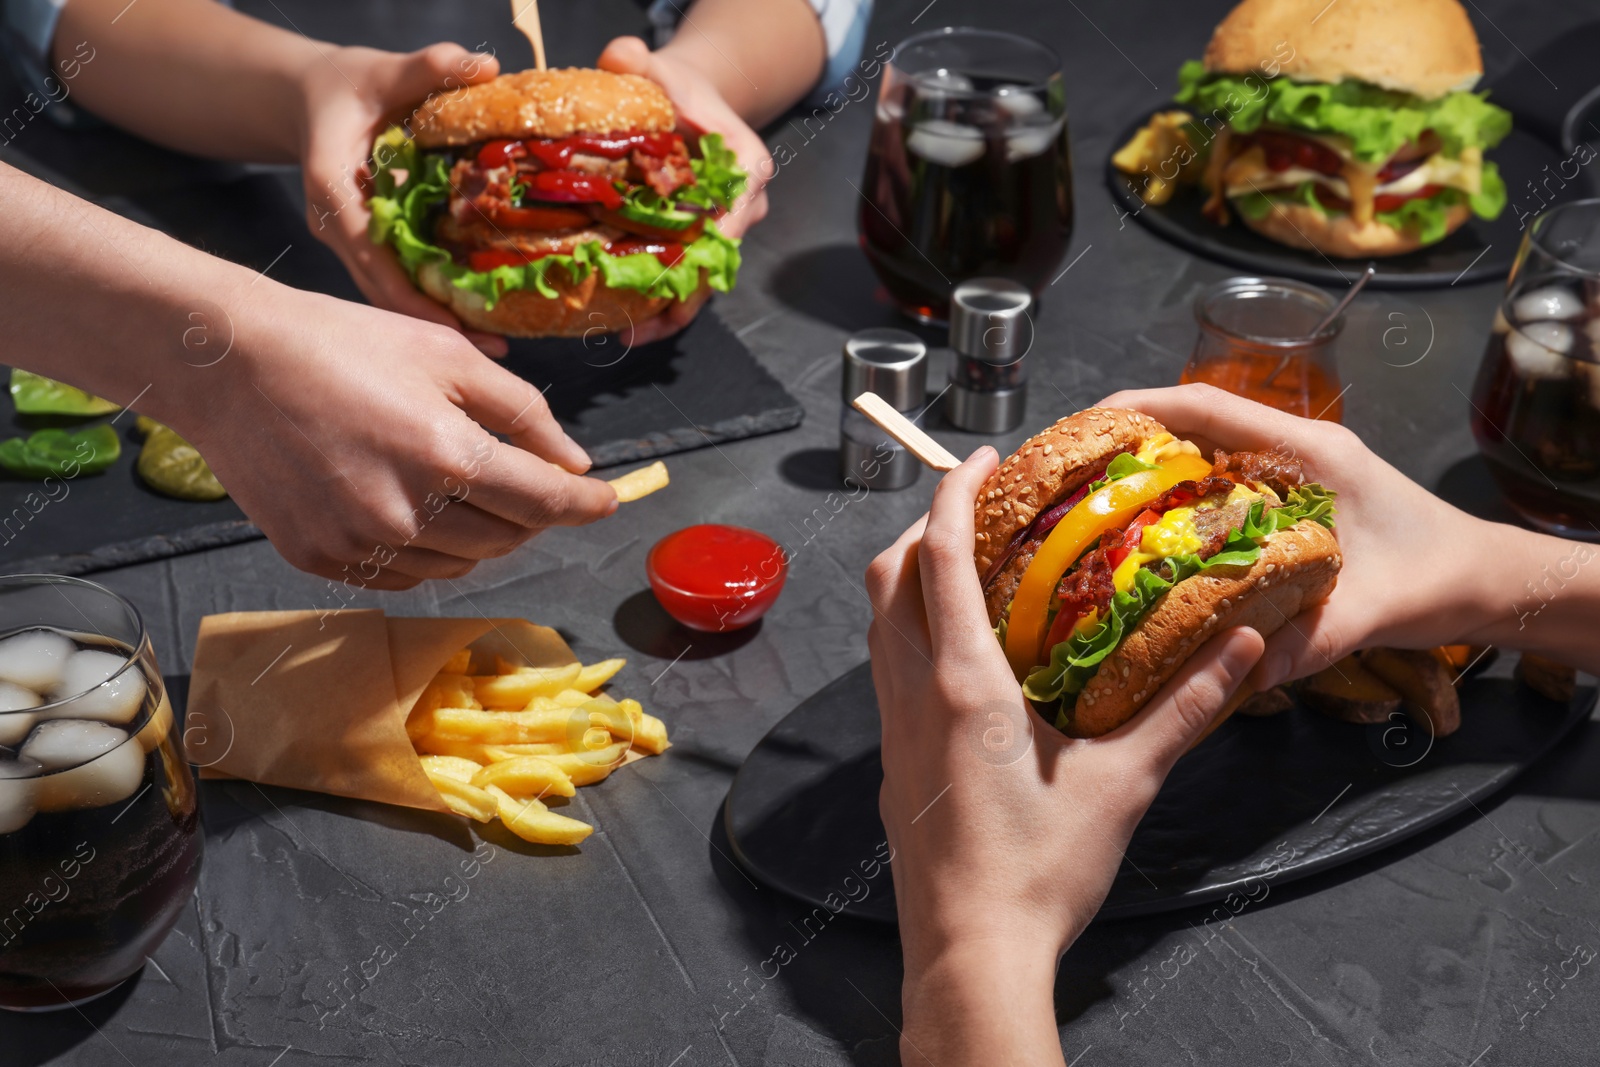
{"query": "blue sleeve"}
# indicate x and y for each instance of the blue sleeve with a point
(844, 28)
(27, 28)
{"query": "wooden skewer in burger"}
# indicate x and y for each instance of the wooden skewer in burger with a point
(556, 203)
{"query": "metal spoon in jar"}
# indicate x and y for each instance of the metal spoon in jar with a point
(1338, 309)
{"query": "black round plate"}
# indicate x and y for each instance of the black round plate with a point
(1261, 799)
(1482, 250)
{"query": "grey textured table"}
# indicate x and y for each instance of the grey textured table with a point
(325, 931)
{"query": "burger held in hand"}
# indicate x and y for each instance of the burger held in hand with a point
(1346, 128)
(1110, 551)
(555, 203)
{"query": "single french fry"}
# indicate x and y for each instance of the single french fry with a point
(595, 675)
(514, 691)
(650, 736)
(556, 725)
(463, 798)
(481, 754)
(460, 663)
(586, 768)
(451, 766)
(532, 821)
(524, 776)
(594, 738)
(640, 483)
(571, 698)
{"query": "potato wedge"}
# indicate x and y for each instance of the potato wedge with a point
(1260, 705)
(1466, 660)
(532, 821)
(1550, 679)
(512, 692)
(526, 776)
(1423, 681)
(1349, 692)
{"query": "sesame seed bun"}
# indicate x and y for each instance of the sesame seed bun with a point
(1338, 235)
(579, 309)
(543, 103)
(1297, 568)
(1425, 47)
(1046, 469)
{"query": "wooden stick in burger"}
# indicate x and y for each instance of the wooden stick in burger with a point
(1110, 551)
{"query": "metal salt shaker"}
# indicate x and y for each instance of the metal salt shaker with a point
(893, 364)
(991, 331)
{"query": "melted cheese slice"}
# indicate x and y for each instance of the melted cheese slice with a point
(1173, 535)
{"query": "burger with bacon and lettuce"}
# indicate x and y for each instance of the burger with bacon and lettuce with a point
(554, 203)
(1350, 128)
(1110, 550)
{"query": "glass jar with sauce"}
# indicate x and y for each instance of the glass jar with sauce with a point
(1259, 340)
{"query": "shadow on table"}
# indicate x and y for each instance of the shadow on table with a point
(835, 284)
(644, 625)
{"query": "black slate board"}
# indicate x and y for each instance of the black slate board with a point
(1482, 250)
(1262, 799)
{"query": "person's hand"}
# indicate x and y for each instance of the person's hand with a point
(1413, 564)
(359, 441)
(1006, 833)
(700, 105)
(348, 101)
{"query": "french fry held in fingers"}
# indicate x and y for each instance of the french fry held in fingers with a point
(640, 483)
(496, 745)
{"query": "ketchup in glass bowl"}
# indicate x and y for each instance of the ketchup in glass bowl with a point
(716, 578)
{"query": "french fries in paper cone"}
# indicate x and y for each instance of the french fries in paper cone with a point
(487, 718)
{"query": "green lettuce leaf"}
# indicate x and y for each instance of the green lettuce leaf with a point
(718, 178)
(400, 216)
(60, 453)
(1074, 661)
(1119, 468)
(1377, 121)
(34, 394)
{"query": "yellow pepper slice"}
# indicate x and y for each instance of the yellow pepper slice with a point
(1108, 508)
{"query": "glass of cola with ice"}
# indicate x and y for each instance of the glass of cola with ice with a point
(1536, 404)
(99, 822)
(968, 171)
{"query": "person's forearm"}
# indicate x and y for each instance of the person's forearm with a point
(1540, 594)
(980, 1004)
(110, 306)
(762, 55)
(189, 74)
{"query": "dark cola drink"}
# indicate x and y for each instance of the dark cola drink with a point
(1536, 404)
(99, 826)
(968, 171)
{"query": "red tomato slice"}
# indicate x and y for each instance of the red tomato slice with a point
(572, 187)
(497, 257)
(499, 153)
(1390, 201)
(539, 217)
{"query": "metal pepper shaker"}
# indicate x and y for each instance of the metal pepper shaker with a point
(893, 364)
(991, 332)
